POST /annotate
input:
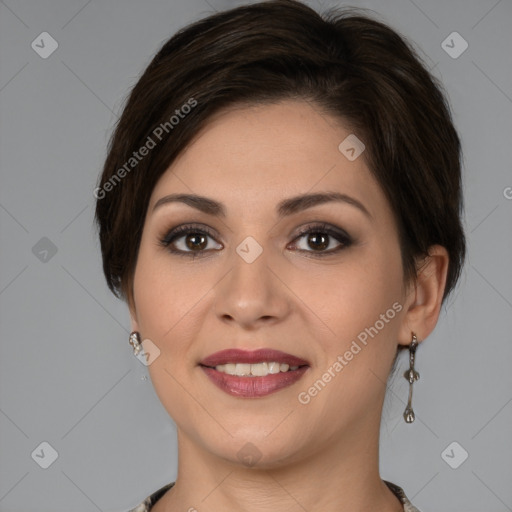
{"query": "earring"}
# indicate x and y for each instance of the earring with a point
(135, 342)
(411, 375)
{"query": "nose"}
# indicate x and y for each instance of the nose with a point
(252, 294)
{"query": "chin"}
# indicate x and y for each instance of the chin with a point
(258, 447)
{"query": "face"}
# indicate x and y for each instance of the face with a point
(256, 265)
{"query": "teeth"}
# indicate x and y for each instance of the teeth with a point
(228, 368)
(259, 369)
(254, 370)
(273, 368)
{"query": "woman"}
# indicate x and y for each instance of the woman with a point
(280, 209)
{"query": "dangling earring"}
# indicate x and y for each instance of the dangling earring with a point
(411, 375)
(135, 342)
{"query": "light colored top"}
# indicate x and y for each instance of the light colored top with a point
(148, 503)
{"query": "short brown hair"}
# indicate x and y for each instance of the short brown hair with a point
(350, 65)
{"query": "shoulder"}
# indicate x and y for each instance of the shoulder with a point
(148, 503)
(400, 494)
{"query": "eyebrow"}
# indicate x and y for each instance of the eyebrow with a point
(284, 208)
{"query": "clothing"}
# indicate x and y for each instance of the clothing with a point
(148, 503)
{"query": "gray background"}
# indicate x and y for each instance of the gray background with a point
(67, 374)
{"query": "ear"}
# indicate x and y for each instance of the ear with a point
(133, 322)
(133, 312)
(425, 298)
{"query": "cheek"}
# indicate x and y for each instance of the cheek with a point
(353, 296)
(171, 300)
(360, 303)
(157, 287)
(166, 304)
(160, 294)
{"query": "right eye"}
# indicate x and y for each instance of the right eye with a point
(188, 240)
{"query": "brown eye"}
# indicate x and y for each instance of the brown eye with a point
(188, 240)
(196, 241)
(323, 240)
(318, 241)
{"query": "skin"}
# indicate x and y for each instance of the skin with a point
(317, 456)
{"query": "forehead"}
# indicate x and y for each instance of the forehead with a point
(257, 155)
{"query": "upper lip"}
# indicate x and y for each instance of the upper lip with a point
(234, 355)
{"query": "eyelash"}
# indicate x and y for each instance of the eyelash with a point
(322, 229)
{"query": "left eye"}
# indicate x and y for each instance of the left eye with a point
(321, 239)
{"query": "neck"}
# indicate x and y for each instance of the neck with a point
(341, 477)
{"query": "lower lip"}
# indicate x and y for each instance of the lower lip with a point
(253, 387)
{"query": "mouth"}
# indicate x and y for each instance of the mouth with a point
(252, 374)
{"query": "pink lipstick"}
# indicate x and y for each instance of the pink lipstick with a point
(253, 374)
